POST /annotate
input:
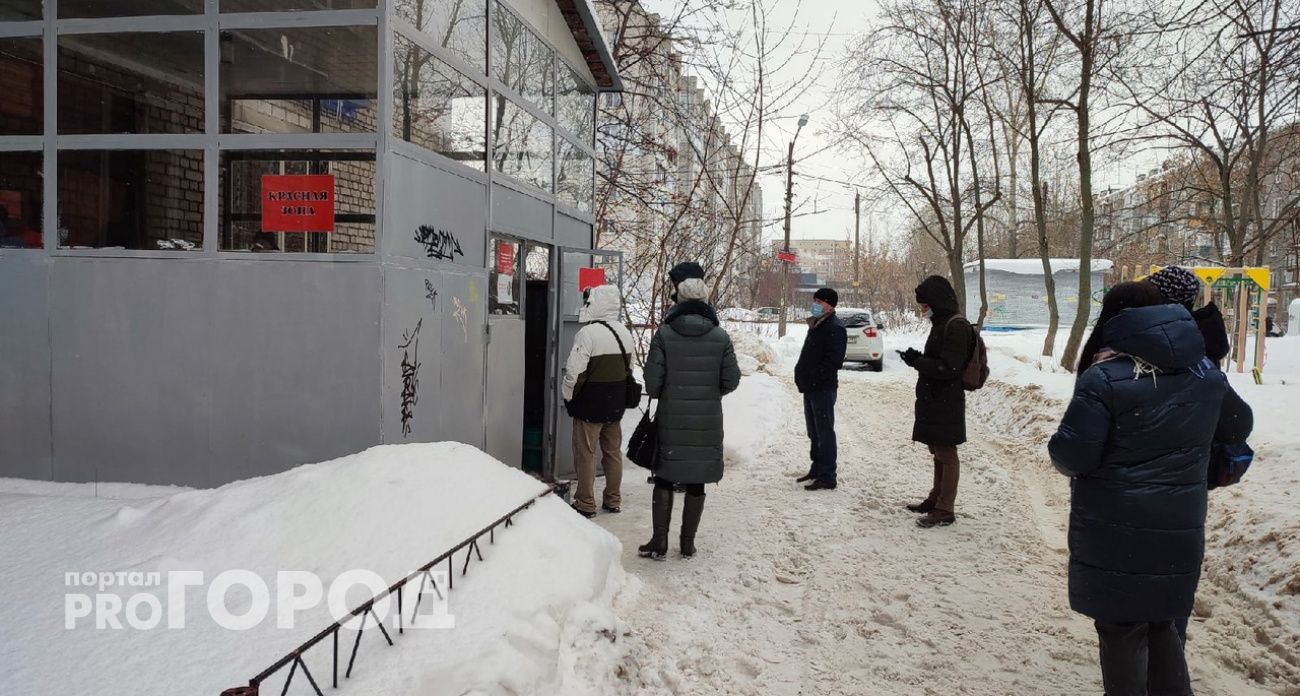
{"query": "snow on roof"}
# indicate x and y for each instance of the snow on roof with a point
(1035, 266)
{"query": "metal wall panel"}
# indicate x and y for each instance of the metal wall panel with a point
(505, 390)
(132, 349)
(415, 301)
(24, 367)
(296, 371)
(522, 216)
(446, 212)
(460, 399)
(572, 233)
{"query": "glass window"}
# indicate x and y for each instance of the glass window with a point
(504, 282)
(21, 193)
(131, 199)
(22, 83)
(293, 5)
(298, 201)
(537, 263)
(436, 107)
(20, 10)
(575, 105)
(131, 83)
(575, 180)
(304, 80)
(78, 9)
(521, 144)
(522, 60)
(459, 26)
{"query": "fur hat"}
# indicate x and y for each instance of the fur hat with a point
(685, 270)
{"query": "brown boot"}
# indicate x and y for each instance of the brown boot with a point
(922, 507)
(936, 518)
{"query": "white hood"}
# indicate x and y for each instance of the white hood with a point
(604, 304)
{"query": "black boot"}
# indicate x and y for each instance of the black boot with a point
(692, 509)
(661, 515)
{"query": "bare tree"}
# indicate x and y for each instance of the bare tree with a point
(915, 91)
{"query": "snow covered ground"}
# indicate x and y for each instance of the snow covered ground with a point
(792, 592)
(540, 600)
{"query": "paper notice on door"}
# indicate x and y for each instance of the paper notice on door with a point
(505, 289)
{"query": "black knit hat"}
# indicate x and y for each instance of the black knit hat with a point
(828, 296)
(685, 270)
(1177, 284)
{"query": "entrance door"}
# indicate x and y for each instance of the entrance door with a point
(575, 270)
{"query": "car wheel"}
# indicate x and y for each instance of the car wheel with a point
(877, 365)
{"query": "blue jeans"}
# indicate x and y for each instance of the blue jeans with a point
(819, 412)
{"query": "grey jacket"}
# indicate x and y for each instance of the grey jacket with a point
(691, 366)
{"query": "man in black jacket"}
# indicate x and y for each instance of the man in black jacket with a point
(817, 377)
(940, 397)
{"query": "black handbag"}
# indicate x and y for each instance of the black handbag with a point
(632, 399)
(643, 447)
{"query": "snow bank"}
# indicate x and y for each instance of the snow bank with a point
(1035, 266)
(524, 618)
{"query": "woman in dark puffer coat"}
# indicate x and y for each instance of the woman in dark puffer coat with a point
(690, 367)
(1136, 442)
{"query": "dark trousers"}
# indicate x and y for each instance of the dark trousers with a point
(1141, 659)
(819, 412)
(947, 471)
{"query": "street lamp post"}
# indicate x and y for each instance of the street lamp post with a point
(789, 198)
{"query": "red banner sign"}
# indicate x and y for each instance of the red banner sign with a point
(298, 203)
(590, 278)
(505, 258)
(785, 256)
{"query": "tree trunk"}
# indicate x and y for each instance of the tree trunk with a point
(1087, 214)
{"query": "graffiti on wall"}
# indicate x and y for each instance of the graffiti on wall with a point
(431, 295)
(462, 316)
(410, 348)
(438, 244)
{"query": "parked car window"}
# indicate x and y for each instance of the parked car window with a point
(855, 320)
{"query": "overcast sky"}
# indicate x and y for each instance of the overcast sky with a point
(825, 208)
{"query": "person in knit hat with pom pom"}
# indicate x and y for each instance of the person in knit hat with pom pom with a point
(1181, 286)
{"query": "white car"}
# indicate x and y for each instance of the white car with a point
(865, 342)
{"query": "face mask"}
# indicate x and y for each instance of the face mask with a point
(928, 312)
(817, 310)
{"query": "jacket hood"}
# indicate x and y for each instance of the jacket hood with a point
(692, 318)
(604, 304)
(1163, 335)
(937, 292)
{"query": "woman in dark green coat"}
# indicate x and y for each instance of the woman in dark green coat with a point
(690, 367)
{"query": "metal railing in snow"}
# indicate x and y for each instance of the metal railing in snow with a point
(294, 660)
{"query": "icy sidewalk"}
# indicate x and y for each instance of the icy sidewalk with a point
(526, 619)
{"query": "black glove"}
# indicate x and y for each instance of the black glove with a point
(910, 357)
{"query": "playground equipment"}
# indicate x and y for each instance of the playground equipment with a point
(1242, 295)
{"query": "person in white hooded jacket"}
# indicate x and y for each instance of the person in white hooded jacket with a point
(594, 390)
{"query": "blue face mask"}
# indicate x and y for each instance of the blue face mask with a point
(817, 310)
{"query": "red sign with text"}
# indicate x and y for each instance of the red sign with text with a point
(298, 203)
(505, 258)
(786, 257)
(590, 278)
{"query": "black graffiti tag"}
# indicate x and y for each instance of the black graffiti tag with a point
(410, 348)
(438, 244)
(431, 295)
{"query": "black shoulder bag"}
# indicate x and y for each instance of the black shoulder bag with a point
(643, 446)
(632, 398)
